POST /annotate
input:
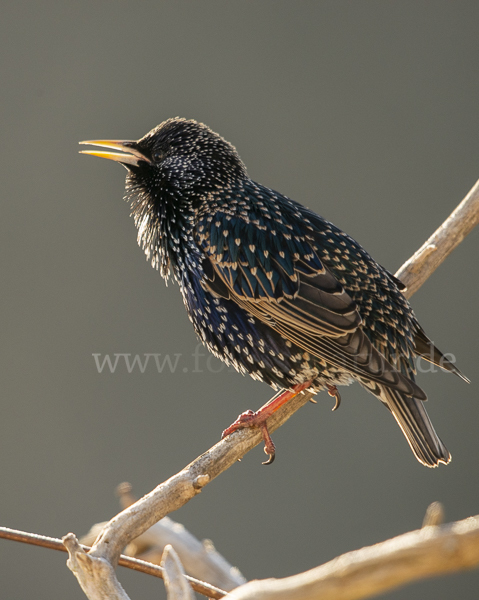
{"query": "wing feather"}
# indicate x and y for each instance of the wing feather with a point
(293, 292)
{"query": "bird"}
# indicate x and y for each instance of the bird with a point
(271, 287)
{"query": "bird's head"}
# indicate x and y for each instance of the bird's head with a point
(180, 157)
(171, 170)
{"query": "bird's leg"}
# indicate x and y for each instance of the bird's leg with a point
(258, 418)
(333, 391)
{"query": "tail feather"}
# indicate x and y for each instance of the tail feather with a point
(414, 422)
(428, 351)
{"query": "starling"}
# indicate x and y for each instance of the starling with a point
(271, 287)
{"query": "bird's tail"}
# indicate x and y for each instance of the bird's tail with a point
(414, 422)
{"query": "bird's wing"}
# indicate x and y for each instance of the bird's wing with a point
(250, 265)
(251, 259)
(290, 289)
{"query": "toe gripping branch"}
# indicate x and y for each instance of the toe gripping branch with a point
(258, 419)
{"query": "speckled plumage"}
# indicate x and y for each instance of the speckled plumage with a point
(271, 287)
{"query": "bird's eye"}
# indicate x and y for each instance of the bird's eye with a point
(157, 155)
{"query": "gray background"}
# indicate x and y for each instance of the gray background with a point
(365, 111)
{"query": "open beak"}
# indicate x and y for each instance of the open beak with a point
(130, 154)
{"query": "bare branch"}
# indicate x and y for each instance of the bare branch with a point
(434, 515)
(95, 575)
(125, 561)
(442, 242)
(370, 571)
(175, 581)
(33, 539)
(200, 559)
(179, 489)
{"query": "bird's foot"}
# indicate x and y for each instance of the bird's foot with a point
(333, 391)
(246, 419)
(258, 419)
(254, 419)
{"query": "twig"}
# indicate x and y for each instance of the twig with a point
(200, 559)
(95, 575)
(175, 582)
(179, 489)
(370, 571)
(434, 515)
(442, 242)
(124, 561)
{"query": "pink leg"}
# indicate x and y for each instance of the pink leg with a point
(258, 418)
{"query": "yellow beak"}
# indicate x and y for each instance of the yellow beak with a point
(130, 155)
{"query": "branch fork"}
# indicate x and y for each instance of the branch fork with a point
(95, 575)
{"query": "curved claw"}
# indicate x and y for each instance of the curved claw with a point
(270, 459)
(337, 403)
(269, 447)
(333, 391)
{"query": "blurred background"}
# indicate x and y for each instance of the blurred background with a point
(367, 112)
